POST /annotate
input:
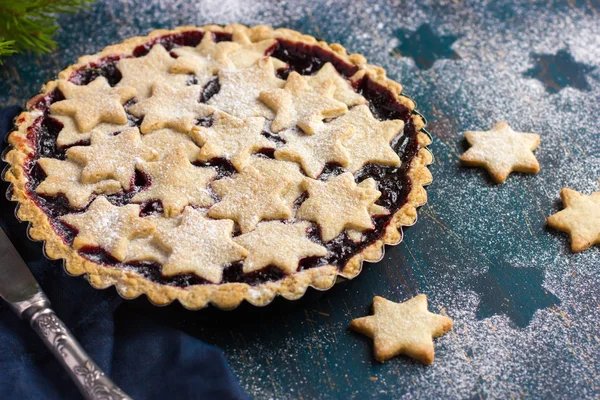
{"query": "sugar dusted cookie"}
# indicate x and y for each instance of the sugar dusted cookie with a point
(502, 151)
(402, 328)
(581, 218)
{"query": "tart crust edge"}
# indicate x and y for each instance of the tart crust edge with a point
(228, 295)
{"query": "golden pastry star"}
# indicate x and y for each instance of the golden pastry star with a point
(343, 88)
(374, 209)
(580, 218)
(314, 151)
(502, 151)
(83, 104)
(70, 133)
(275, 169)
(149, 248)
(231, 138)
(403, 328)
(176, 183)
(338, 204)
(63, 177)
(299, 104)
(248, 53)
(112, 157)
(142, 72)
(165, 140)
(171, 107)
(108, 227)
(278, 244)
(205, 60)
(239, 91)
(250, 197)
(371, 143)
(200, 246)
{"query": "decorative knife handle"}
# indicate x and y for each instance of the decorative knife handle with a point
(90, 380)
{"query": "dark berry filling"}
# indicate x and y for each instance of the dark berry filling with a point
(394, 183)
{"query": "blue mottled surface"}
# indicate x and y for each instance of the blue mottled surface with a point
(526, 309)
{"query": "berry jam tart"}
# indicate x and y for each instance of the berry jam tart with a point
(219, 164)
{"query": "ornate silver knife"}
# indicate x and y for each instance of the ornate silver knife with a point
(21, 291)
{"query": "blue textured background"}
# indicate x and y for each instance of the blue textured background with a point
(526, 310)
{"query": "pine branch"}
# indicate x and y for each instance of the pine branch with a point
(6, 48)
(31, 24)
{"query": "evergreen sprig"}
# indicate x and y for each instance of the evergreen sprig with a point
(6, 48)
(29, 25)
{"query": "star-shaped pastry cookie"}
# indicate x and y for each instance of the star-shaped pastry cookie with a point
(502, 151)
(143, 72)
(240, 89)
(70, 133)
(81, 103)
(108, 227)
(112, 157)
(204, 60)
(248, 53)
(170, 107)
(275, 169)
(403, 328)
(64, 177)
(338, 204)
(176, 183)
(279, 244)
(371, 143)
(580, 218)
(231, 138)
(299, 104)
(149, 248)
(343, 88)
(374, 209)
(314, 151)
(249, 197)
(200, 246)
(165, 140)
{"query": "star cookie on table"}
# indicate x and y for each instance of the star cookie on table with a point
(343, 88)
(142, 72)
(70, 134)
(176, 183)
(108, 227)
(300, 104)
(338, 204)
(502, 151)
(278, 244)
(112, 157)
(580, 218)
(199, 245)
(240, 89)
(249, 197)
(170, 107)
(275, 169)
(64, 177)
(165, 140)
(81, 103)
(204, 60)
(371, 143)
(403, 328)
(316, 150)
(231, 138)
(248, 52)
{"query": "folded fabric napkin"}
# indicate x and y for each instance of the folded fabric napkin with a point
(146, 358)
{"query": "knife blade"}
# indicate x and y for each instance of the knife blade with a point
(17, 284)
(21, 291)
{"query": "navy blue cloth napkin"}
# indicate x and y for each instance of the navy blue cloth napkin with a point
(149, 358)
